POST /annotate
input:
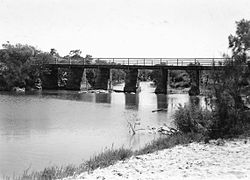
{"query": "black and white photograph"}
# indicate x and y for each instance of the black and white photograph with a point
(124, 89)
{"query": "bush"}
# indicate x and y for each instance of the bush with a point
(223, 121)
(230, 117)
(189, 119)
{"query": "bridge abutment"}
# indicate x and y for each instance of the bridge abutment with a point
(195, 83)
(102, 79)
(162, 82)
(131, 80)
(50, 79)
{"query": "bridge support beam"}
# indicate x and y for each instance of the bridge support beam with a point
(74, 79)
(195, 83)
(102, 79)
(50, 79)
(162, 82)
(131, 80)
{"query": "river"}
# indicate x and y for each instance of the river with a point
(65, 127)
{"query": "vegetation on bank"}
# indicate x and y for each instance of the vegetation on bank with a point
(21, 66)
(225, 114)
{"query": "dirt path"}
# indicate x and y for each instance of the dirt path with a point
(228, 160)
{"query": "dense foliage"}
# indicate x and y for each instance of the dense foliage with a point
(17, 66)
(227, 116)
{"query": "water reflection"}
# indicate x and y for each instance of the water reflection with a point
(103, 98)
(87, 97)
(131, 101)
(162, 101)
(41, 125)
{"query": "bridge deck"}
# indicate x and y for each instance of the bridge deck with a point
(142, 63)
(110, 66)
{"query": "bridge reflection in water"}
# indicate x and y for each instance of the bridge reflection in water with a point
(131, 101)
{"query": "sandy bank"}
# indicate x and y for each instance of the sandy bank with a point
(228, 160)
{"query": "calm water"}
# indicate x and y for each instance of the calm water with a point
(63, 127)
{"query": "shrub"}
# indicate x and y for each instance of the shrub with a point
(192, 119)
(230, 116)
(170, 141)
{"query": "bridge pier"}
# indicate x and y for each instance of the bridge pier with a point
(102, 79)
(162, 82)
(50, 79)
(74, 79)
(84, 83)
(110, 86)
(131, 80)
(195, 83)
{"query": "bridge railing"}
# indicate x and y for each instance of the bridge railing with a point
(144, 61)
(161, 61)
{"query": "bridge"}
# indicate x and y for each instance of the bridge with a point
(103, 80)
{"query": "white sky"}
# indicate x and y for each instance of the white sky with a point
(123, 28)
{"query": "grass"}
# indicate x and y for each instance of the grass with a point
(184, 117)
(106, 158)
(111, 156)
(169, 142)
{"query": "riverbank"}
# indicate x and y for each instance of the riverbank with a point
(218, 159)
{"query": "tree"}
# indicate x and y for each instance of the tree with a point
(240, 42)
(20, 66)
(88, 59)
(75, 53)
(229, 116)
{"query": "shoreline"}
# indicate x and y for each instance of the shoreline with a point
(72, 168)
(218, 159)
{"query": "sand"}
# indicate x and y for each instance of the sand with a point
(215, 160)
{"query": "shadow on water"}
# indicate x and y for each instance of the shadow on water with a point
(103, 98)
(131, 101)
(162, 101)
(73, 96)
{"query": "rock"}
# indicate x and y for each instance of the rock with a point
(220, 142)
(17, 89)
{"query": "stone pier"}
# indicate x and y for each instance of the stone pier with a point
(74, 79)
(50, 79)
(195, 83)
(110, 85)
(102, 79)
(131, 80)
(162, 82)
(85, 84)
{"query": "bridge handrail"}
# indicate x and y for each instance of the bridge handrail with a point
(145, 61)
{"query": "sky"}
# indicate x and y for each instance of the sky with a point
(124, 28)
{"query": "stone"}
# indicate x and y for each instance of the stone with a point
(131, 81)
(74, 79)
(161, 82)
(101, 81)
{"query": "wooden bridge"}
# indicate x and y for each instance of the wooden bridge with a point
(131, 65)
